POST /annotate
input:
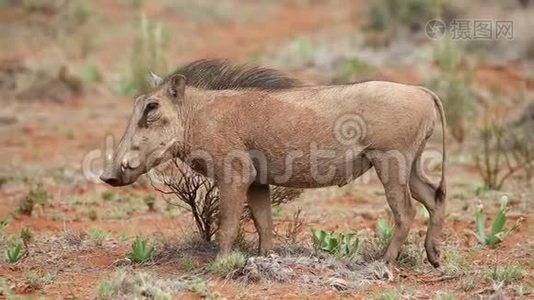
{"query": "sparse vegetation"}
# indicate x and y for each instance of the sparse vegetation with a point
(36, 196)
(36, 280)
(26, 236)
(148, 55)
(128, 284)
(97, 236)
(498, 232)
(384, 231)
(506, 274)
(91, 73)
(150, 201)
(392, 14)
(14, 252)
(224, 265)
(503, 152)
(141, 250)
(108, 195)
(187, 263)
(341, 244)
(353, 70)
(454, 86)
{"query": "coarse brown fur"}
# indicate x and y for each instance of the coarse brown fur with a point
(220, 74)
(247, 135)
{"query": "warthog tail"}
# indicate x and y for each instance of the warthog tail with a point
(442, 189)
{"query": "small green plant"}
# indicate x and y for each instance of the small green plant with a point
(97, 235)
(92, 214)
(36, 196)
(26, 236)
(141, 251)
(187, 263)
(506, 274)
(91, 73)
(37, 280)
(384, 231)
(497, 233)
(454, 262)
(14, 252)
(342, 244)
(3, 224)
(150, 201)
(108, 195)
(226, 264)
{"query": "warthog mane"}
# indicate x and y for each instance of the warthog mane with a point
(220, 74)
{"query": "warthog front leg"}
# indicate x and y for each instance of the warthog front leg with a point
(232, 200)
(259, 202)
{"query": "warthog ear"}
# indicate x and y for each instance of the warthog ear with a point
(154, 79)
(176, 88)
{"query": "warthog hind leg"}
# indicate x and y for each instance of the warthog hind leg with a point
(394, 174)
(425, 192)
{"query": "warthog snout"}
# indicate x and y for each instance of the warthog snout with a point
(110, 179)
(123, 168)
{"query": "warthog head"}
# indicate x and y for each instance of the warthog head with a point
(153, 133)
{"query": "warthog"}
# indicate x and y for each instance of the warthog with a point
(249, 127)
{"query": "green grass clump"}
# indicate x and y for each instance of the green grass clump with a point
(36, 196)
(108, 195)
(91, 73)
(37, 280)
(187, 263)
(341, 244)
(384, 231)
(150, 201)
(97, 235)
(141, 251)
(226, 264)
(506, 274)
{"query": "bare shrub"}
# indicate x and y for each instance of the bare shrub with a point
(504, 151)
(290, 228)
(200, 195)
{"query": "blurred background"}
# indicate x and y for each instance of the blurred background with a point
(69, 70)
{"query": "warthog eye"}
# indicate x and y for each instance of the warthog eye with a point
(151, 106)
